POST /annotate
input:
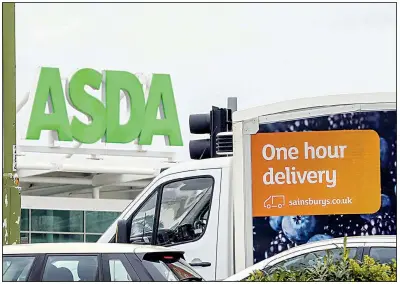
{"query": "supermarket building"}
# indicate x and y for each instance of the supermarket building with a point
(71, 191)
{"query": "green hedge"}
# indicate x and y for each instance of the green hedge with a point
(328, 269)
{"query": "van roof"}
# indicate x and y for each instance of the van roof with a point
(215, 163)
(82, 248)
(315, 102)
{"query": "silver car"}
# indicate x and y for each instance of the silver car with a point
(381, 248)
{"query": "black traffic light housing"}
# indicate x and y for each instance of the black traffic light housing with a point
(218, 120)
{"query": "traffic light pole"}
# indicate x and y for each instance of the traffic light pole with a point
(11, 194)
(232, 104)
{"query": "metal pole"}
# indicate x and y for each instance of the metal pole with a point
(96, 192)
(11, 195)
(232, 104)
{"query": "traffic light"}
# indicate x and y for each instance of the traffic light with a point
(217, 121)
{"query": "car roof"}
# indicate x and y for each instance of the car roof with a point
(82, 248)
(337, 241)
(350, 240)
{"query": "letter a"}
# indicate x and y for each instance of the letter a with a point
(49, 89)
(161, 96)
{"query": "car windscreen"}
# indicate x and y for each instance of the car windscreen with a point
(169, 267)
(17, 268)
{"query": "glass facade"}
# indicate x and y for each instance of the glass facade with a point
(97, 222)
(56, 221)
(55, 226)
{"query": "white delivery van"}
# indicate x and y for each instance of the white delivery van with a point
(215, 212)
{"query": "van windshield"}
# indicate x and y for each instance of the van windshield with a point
(183, 204)
(188, 212)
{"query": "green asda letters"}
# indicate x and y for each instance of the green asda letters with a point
(104, 116)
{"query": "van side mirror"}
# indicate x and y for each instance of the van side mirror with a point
(122, 233)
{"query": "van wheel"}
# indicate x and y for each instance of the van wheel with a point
(269, 206)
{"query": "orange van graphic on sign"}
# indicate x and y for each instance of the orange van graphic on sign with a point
(315, 173)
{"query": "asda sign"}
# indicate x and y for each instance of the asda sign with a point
(104, 115)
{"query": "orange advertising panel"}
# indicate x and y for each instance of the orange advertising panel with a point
(315, 173)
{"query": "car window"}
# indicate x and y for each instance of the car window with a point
(118, 272)
(17, 268)
(71, 268)
(116, 268)
(143, 221)
(382, 254)
(184, 210)
(310, 258)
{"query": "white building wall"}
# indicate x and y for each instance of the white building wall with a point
(71, 203)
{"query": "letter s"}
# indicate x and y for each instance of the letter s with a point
(87, 104)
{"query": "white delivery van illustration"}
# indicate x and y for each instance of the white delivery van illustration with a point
(274, 201)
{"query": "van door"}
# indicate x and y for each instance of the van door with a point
(182, 212)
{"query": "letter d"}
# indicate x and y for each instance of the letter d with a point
(117, 81)
(268, 177)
